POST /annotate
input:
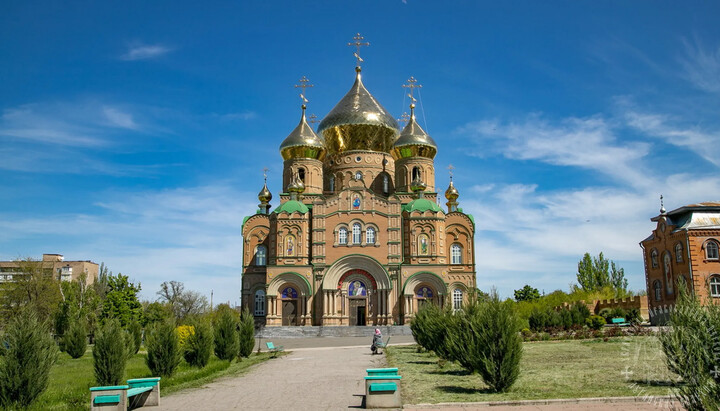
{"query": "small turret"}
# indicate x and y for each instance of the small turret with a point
(264, 196)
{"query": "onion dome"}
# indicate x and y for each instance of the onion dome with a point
(292, 206)
(414, 141)
(422, 205)
(418, 186)
(303, 142)
(296, 186)
(451, 193)
(265, 195)
(358, 122)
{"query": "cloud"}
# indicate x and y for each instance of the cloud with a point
(119, 118)
(51, 124)
(701, 66)
(588, 143)
(145, 52)
(242, 115)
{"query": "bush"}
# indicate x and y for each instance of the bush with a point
(226, 335)
(633, 316)
(163, 349)
(30, 352)
(75, 339)
(429, 328)
(579, 313)
(135, 331)
(110, 354)
(246, 334)
(184, 332)
(484, 338)
(615, 332)
(199, 345)
(595, 322)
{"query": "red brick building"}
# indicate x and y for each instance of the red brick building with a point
(684, 245)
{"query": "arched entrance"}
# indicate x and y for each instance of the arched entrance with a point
(422, 288)
(289, 301)
(356, 291)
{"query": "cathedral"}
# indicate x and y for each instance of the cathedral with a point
(358, 237)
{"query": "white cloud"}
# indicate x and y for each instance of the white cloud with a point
(52, 124)
(118, 118)
(144, 52)
(702, 66)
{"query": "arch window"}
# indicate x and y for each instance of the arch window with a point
(715, 286)
(668, 272)
(332, 183)
(301, 174)
(289, 292)
(457, 299)
(654, 258)
(424, 292)
(261, 255)
(370, 235)
(456, 254)
(356, 233)
(711, 250)
(259, 303)
(386, 184)
(358, 175)
(657, 287)
(342, 235)
(416, 173)
(678, 253)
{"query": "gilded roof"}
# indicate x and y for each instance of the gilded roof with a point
(303, 142)
(414, 141)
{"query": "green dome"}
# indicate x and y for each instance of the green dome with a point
(291, 207)
(422, 205)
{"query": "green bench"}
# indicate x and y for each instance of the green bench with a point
(382, 388)
(273, 349)
(371, 372)
(618, 321)
(139, 392)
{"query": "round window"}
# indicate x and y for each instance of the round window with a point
(358, 159)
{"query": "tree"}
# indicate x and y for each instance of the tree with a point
(182, 302)
(246, 334)
(34, 285)
(226, 335)
(110, 354)
(28, 357)
(75, 339)
(163, 349)
(135, 331)
(596, 273)
(527, 293)
(156, 312)
(199, 345)
(121, 301)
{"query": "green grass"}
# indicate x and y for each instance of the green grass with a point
(553, 369)
(71, 379)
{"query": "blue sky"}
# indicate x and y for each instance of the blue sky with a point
(135, 133)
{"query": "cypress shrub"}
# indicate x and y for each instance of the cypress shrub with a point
(75, 339)
(199, 345)
(595, 322)
(485, 339)
(30, 352)
(135, 331)
(692, 347)
(246, 334)
(110, 354)
(226, 335)
(429, 327)
(163, 349)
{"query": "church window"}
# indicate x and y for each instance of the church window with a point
(416, 173)
(456, 254)
(332, 183)
(715, 286)
(668, 272)
(356, 233)
(654, 258)
(301, 174)
(386, 184)
(457, 299)
(342, 235)
(678, 253)
(358, 175)
(370, 235)
(289, 292)
(261, 255)
(711, 250)
(424, 292)
(259, 303)
(657, 287)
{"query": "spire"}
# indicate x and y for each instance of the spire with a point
(662, 206)
(264, 196)
(357, 44)
(452, 193)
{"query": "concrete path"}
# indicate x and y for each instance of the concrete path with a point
(324, 378)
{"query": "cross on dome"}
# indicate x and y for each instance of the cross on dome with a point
(357, 44)
(303, 85)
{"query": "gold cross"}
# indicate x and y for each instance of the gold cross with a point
(412, 86)
(303, 85)
(451, 168)
(357, 44)
(313, 119)
(404, 118)
(265, 170)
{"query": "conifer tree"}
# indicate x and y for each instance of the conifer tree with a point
(246, 334)
(163, 349)
(199, 345)
(110, 354)
(75, 339)
(226, 335)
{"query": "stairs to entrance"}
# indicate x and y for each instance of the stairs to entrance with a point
(331, 331)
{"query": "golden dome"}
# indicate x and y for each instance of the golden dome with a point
(451, 193)
(358, 122)
(296, 185)
(418, 186)
(302, 142)
(414, 141)
(265, 195)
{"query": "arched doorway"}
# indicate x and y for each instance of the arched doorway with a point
(422, 288)
(356, 287)
(289, 301)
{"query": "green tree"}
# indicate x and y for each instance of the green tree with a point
(155, 313)
(163, 349)
(595, 273)
(527, 293)
(226, 335)
(34, 285)
(199, 345)
(246, 334)
(75, 339)
(429, 328)
(121, 301)
(28, 357)
(110, 354)
(135, 331)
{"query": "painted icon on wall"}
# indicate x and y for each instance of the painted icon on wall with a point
(290, 246)
(357, 289)
(424, 292)
(356, 202)
(289, 292)
(423, 245)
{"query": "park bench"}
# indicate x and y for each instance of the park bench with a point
(618, 321)
(383, 390)
(139, 392)
(373, 372)
(273, 349)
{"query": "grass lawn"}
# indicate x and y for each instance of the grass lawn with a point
(71, 379)
(629, 366)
